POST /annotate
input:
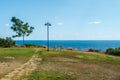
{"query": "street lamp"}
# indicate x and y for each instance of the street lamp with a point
(47, 24)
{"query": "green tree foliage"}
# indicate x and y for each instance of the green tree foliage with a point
(22, 29)
(112, 51)
(8, 42)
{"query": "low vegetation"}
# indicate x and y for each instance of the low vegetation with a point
(21, 54)
(11, 58)
(93, 50)
(34, 46)
(112, 51)
(75, 65)
(64, 64)
(8, 42)
(44, 75)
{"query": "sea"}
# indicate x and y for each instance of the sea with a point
(76, 44)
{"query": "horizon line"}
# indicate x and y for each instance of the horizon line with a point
(68, 40)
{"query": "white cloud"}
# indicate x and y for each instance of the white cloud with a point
(7, 25)
(60, 23)
(95, 22)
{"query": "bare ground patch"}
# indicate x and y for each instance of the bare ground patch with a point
(6, 67)
(23, 70)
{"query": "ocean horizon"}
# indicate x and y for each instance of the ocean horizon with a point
(76, 44)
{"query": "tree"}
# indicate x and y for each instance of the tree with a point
(48, 24)
(22, 29)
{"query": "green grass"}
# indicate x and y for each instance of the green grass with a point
(98, 58)
(44, 75)
(14, 57)
(22, 54)
(81, 56)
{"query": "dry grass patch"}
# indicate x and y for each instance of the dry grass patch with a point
(81, 66)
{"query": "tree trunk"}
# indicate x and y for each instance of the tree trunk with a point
(23, 40)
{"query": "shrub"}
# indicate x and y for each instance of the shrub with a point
(90, 50)
(70, 48)
(112, 51)
(8, 42)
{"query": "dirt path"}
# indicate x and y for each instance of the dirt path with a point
(24, 69)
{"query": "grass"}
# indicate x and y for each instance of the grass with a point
(21, 54)
(80, 65)
(66, 65)
(11, 58)
(81, 56)
(44, 75)
(98, 58)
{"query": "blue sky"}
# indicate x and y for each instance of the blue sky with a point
(70, 19)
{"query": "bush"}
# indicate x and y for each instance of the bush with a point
(70, 48)
(90, 50)
(8, 42)
(112, 51)
(93, 50)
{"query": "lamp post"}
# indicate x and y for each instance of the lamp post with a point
(47, 24)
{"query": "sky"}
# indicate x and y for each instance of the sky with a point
(70, 19)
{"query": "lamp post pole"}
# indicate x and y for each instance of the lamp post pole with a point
(47, 38)
(47, 24)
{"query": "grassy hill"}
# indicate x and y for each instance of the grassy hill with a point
(63, 65)
(75, 65)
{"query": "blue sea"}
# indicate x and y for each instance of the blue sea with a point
(76, 44)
